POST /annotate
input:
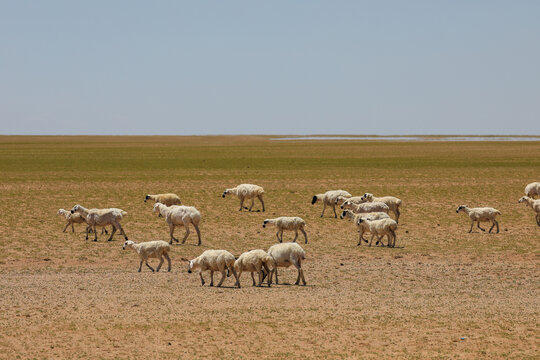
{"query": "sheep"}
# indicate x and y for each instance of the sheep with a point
(166, 199)
(329, 198)
(369, 207)
(288, 254)
(71, 219)
(101, 217)
(379, 228)
(214, 260)
(180, 215)
(151, 249)
(481, 214)
(532, 189)
(247, 191)
(287, 223)
(393, 202)
(255, 261)
(346, 203)
(355, 217)
(534, 204)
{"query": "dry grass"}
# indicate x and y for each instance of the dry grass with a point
(63, 296)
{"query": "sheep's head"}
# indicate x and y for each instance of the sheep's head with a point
(523, 199)
(192, 267)
(361, 220)
(345, 203)
(156, 207)
(314, 200)
(265, 222)
(340, 200)
(366, 197)
(127, 244)
(75, 208)
(146, 198)
(461, 207)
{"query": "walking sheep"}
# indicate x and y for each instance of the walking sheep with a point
(214, 260)
(288, 254)
(329, 198)
(101, 217)
(532, 189)
(393, 202)
(347, 203)
(481, 214)
(71, 219)
(247, 191)
(355, 217)
(255, 261)
(166, 199)
(180, 215)
(151, 249)
(368, 207)
(287, 223)
(379, 228)
(534, 204)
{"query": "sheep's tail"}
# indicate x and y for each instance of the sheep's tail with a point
(498, 212)
(197, 218)
(123, 213)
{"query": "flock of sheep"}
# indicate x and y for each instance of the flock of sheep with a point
(367, 212)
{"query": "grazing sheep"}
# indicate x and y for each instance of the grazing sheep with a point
(534, 204)
(287, 223)
(214, 260)
(368, 207)
(101, 217)
(166, 199)
(180, 215)
(355, 217)
(71, 219)
(532, 190)
(481, 214)
(393, 202)
(329, 198)
(288, 254)
(379, 228)
(151, 249)
(255, 261)
(347, 203)
(247, 191)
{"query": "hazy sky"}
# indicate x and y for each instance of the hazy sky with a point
(272, 67)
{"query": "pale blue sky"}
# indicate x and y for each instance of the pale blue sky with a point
(272, 67)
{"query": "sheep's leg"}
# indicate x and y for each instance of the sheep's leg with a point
(397, 213)
(66, 226)
(211, 277)
(187, 233)
(241, 203)
(236, 277)
(371, 240)
(198, 233)
(275, 272)
(95, 232)
(277, 235)
(379, 240)
(168, 261)
(151, 268)
(478, 224)
(140, 265)
(261, 200)
(497, 224)
(112, 233)
(538, 219)
(160, 263)
(360, 238)
(117, 225)
(472, 224)
(334, 207)
(253, 278)
(323, 208)
(295, 235)
(265, 270)
(105, 230)
(298, 265)
(87, 229)
(202, 279)
(252, 202)
(171, 231)
(223, 276)
(305, 235)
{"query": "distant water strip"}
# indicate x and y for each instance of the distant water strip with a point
(413, 138)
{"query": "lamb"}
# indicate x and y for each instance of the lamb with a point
(287, 223)
(288, 254)
(532, 189)
(71, 219)
(481, 214)
(101, 217)
(166, 199)
(347, 203)
(329, 198)
(379, 228)
(255, 261)
(180, 215)
(214, 260)
(355, 217)
(369, 207)
(247, 191)
(534, 204)
(393, 202)
(151, 249)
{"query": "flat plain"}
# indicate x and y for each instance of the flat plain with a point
(441, 293)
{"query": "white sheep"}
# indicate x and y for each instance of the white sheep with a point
(287, 223)
(71, 219)
(151, 249)
(180, 215)
(166, 199)
(101, 217)
(247, 191)
(214, 260)
(329, 198)
(534, 204)
(355, 217)
(393, 202)
(255, 261)
(481, 214)
(368, 207)
(287, 254)
(532, 189)
(379, 228)
(346, 203)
